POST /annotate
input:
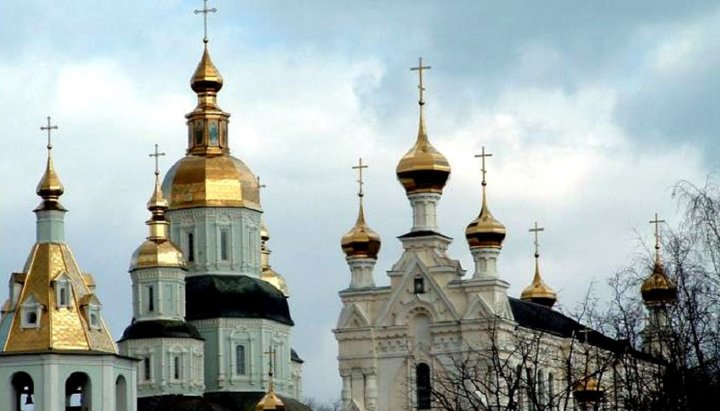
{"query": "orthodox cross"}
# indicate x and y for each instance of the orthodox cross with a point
(536, 230)
(584, 332)
(260, 186)
(420, 69)
(359, 168)
(49, 128)
(157, 156)
(205, 10)
(657, 222)
(482, 155)
(271, 354)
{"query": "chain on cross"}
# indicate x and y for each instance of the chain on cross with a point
(49, 128)
(157, 156)
(205, 10)
(421, 86)
(535, 230)
(360, 182)
(482, 156)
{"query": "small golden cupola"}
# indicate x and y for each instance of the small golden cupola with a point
(538, 292)
(361, 241)
(270, 401)
(485, 231)
(658, 288)
(268, 274)
(423, 169)
(157, 250)
(208, 176)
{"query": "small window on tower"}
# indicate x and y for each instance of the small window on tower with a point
(419, 286)
(199, 132)
(176, 367)
(150, 299)
(190, 247)
(240, 360)
(147, 369)
(30, 313)
(62, 291)
(224, 244)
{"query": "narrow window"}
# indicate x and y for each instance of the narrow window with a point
(63, 297)
(423, 386)
(93, 320)
(191, 247)
(176, 368)
(224, 245)
(419, 286)
(240, 359)
(151, 299)
(147, 369)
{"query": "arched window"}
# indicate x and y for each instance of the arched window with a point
(78, 392)
(62, 291)
(551, 392)
(23, 390)
(121, 394)
(422, 382)
(176, 367)
(147, 369)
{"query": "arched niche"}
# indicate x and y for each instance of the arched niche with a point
(121, 394)
(78, 391)
(23, 390)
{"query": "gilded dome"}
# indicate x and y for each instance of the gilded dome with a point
(211, 181)
(538, 292)
(587, 390)
(658, 288)
(270, 401)
(276, 280)
(206, 78)
(485, 231)
(156, 254)
(361, 241)
(423, 169)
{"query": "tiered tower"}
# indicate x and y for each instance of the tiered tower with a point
(170, 349)
(55, 348)
(215, 219)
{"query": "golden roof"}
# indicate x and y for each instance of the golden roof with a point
(588, 384)
(538, 292)
(658, 288)
(157, 250)
(211, 181)
(423, 169)
(361, 241)
(59, 328)
(50, 187)
(485, 231)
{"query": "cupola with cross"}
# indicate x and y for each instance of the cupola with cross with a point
(361, 244)
(485, 234)
(658, 288)
(423, 170)
(538, 292)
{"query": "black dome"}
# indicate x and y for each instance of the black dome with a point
(160, 329)
(234, 296)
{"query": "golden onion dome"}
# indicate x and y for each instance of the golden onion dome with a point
(206, 78)
(485, 231)
(538, 292)
(658, 288)
(361, 241)
(211, 181)
(423, 169)
(276, 280)
(270, 401)
(50, 187)
(157, 250)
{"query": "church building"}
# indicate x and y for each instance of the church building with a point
(436, 338)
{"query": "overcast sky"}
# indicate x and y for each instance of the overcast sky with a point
(593, 111)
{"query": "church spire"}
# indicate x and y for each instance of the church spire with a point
(538, 292)
(50, 188)
(361, 241)
(658, 288)
(207, 124)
